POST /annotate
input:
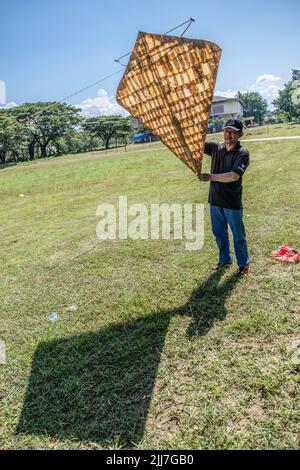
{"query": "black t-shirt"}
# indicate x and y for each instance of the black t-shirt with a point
(227, 195)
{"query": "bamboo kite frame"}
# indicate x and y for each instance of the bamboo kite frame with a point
(168, 86)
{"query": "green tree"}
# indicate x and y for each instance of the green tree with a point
(12, 137)
(283, 116)
(284, 101)
(77, 140)
(295, 74)
(45, 123)
(254, 105)
(216, 123)
(107, 127)
(88, 142)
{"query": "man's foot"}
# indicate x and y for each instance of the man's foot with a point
(243, 270)
(221, 266)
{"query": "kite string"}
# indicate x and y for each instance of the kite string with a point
(34, 115)
(41, 111)
(90, 86)
(140, 58)
(190, 21)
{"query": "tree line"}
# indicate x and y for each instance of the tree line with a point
(37, 130)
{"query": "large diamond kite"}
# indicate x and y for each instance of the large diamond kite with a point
(168, 86)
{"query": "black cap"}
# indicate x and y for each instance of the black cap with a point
(235, 124)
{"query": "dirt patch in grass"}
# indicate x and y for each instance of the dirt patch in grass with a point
(57, 257)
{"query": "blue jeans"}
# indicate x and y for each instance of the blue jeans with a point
(220, 219)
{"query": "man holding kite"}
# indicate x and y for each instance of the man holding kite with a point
(168, 85)
(229, 162)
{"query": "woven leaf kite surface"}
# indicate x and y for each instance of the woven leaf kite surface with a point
(168, 86)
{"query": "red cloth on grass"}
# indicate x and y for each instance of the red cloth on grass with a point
(286, 254)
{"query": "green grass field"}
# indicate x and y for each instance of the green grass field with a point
(161, 353)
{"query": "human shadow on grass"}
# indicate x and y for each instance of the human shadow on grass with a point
(97, 387)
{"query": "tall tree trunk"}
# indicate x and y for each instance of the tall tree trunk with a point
(2, 157)
(24, 155)
(31, 150)
(16, 156)
(43, 150)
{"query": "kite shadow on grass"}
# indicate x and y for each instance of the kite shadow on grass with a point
(96, 387)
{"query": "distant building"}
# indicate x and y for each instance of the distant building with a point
(226, 108)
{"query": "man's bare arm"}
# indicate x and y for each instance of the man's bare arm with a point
(229, 177)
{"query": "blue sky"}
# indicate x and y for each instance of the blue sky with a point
(51, 48)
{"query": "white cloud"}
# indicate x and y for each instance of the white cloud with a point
(2, 92)
(225, 94)
(267, 77)
(10, 105)
(3, 104)
(264, 84)
(101, 105)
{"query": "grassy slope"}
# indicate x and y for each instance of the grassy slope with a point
(160, 354)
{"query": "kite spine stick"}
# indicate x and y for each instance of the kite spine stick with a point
(185, 146)
(175, 121)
